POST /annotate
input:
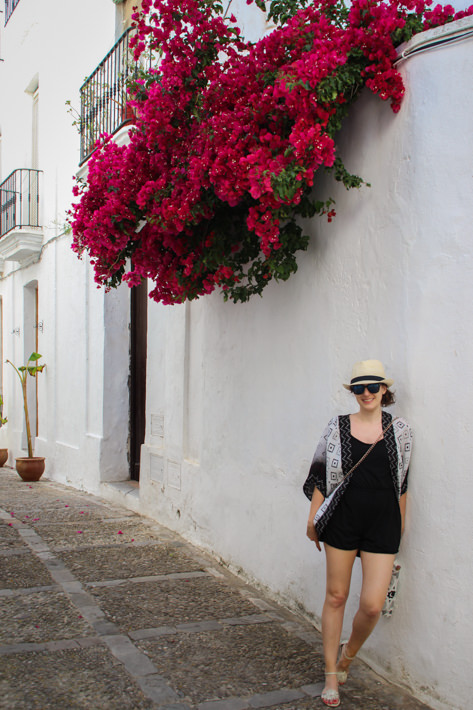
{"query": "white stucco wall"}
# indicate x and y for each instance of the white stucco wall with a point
(239, 394)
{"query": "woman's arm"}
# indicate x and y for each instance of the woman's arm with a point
(317, 473)
(402, 505)
(317, 500)
(315, 485)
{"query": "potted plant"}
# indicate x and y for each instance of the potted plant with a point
(30, 467)
(3, 420)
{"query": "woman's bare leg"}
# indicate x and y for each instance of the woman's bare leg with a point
(376, 570)
(339, 567)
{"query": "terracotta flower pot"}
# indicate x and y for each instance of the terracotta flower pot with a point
(3, 457)
(30, 469)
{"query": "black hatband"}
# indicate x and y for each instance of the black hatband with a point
(374, 378)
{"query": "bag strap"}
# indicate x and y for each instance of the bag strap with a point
(381, 436)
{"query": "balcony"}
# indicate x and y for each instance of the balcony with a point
(21, 232)
(10, 6)
(104, 96)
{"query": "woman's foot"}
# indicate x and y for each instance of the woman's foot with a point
(343, 665)
(330, 694)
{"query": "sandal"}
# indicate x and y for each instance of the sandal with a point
(343, 675)
(330, 696)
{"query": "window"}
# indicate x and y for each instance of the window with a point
(31, 344)
(34, 136)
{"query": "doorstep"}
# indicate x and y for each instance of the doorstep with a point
(126, 493)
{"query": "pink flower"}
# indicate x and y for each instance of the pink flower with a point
(228, 139)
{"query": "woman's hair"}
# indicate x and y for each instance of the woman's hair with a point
(388, 398)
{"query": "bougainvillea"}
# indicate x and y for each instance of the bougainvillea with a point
(228, 137)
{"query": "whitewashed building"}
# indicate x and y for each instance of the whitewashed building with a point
(216, 439)
(49, 300)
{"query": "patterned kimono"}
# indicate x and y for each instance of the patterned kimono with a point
(333, 459)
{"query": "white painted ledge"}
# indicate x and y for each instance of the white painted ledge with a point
(22, 245)
(457, 31)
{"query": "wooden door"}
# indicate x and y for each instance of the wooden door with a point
(138, 352)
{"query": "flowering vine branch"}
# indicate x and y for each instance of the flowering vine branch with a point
(228, 137)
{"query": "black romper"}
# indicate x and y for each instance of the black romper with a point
(368, 517)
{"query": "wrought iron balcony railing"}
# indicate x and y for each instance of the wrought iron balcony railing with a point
(9, 8)
(104, 96)
(19, 200)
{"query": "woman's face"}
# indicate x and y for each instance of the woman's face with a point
(369, 401)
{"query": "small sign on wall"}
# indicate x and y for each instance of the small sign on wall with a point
(156, 469)
(174, 474)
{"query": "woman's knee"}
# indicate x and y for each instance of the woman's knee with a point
(336, 598)
(371, 607)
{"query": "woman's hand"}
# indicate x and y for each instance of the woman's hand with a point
(312, 534)
(317, 500)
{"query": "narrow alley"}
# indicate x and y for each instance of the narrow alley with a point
(102, 608)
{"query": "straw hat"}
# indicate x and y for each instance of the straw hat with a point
(368, 371)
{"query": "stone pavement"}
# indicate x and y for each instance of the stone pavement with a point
(101, 608)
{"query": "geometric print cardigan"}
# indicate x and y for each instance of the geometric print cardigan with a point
(333, 459)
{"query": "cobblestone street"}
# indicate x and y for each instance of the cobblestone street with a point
(101, 608)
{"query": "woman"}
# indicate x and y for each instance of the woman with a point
(365, 516)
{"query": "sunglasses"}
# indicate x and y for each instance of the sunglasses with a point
(372, 388)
